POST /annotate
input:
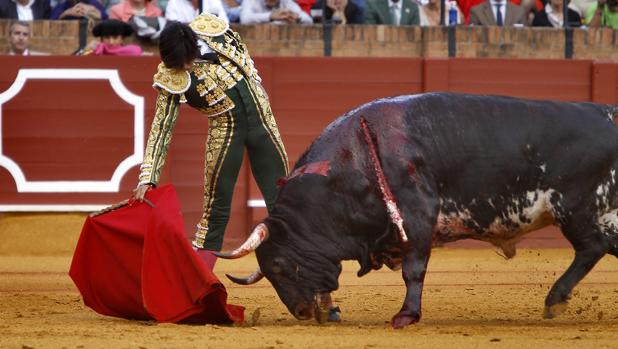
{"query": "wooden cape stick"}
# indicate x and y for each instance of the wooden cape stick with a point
(117, 206)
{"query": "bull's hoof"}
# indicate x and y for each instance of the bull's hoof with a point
(401, 321)
(554, 310)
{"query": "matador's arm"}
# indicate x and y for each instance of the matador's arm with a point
(160, 137)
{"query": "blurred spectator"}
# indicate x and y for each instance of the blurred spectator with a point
(306, 5)
(393, 12)
(430, 13)
(19, 40)
(185, 11)
(530, 7)
(232, 10)
(111, 34)
(361, 9)
(581, 6)
(603, 14)
(465, 6)
(129, 8)
(76, 9)
(25, 10)
(498, 12)
(552, 16)
(341, 11)
(273, 11)
(147, 28)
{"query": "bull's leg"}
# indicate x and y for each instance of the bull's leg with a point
(589, 249)
(413, 271)
(419, 211)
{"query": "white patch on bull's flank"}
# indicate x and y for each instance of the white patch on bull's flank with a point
(522, 216)
(609, 223)
(537, 203)
(602, 199)
(543, 167)
(446, 222)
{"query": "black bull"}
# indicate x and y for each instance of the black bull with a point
(392, 178)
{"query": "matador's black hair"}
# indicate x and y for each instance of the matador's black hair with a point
(177, 45)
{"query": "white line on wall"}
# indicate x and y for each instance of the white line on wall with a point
(113, 185)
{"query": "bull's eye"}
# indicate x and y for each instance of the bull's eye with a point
(277, 265)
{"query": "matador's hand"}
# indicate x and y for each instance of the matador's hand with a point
(140, 191)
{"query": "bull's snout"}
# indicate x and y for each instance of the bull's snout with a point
(303, 312)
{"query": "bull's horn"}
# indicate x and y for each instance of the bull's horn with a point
(259, 234)
(249, 280)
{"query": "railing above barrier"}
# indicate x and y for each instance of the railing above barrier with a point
(63, 38)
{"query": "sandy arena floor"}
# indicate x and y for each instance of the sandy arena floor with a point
(473, 299)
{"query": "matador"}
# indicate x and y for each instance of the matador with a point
(223, 84)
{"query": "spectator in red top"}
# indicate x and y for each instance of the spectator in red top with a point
(306, 5)
(466, 5)
(129, 8)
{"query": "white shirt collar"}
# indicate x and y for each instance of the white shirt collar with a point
(552, 16)
(494, 3)
(28, 5)
(396, 4)
(13, 53)
(24, 12)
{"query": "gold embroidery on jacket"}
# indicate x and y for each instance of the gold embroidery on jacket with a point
(215, 79)
(172, 80)
(159, 138)
(209, 25)
(219, 108)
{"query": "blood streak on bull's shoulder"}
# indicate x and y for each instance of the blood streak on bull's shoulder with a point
(387, 194)
(319, 167)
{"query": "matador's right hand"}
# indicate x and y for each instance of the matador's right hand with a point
(140, 191)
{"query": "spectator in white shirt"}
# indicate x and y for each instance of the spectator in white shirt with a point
(185, 11)
(25, 10)
(272, 11)
(232, 9)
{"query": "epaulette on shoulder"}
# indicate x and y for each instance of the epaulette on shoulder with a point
(175, 81)
(209, 25)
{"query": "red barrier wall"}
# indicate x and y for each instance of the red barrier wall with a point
(80, 130)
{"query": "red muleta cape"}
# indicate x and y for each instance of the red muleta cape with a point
(135, 262)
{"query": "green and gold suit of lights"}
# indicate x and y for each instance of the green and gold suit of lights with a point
(230, 94)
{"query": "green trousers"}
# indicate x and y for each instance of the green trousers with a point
(249, 126)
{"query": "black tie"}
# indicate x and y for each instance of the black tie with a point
(499, 15)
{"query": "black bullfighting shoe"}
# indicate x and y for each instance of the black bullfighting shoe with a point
(334, 314)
